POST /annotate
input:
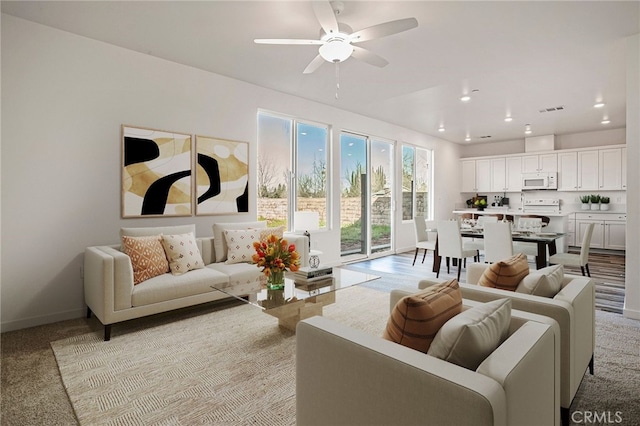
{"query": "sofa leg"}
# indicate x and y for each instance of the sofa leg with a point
(591, 365)
(107, 332)
(564, 416)
(88, 312)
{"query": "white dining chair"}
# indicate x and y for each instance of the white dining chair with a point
(498, 244)
(477, 244)
(423, 241)
(572, 259)
(450, 244)
(528, 224)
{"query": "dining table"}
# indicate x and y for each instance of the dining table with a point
(545, 241)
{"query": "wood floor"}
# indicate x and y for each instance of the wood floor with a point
(607, 270)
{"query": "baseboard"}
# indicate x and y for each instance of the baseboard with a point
(41, 320)
(631, 313)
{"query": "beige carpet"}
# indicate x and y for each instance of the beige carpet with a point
(233, 366)
(236, 366)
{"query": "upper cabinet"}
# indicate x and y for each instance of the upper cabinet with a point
(578, 170)
(476, 175)
(540, 163)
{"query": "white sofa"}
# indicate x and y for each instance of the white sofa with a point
(347, 377)
(574, 310)
(111, 295)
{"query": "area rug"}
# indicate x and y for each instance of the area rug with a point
(236, 366)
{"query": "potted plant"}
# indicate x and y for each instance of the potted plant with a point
(595, 201)
(604, 203)
(585, 202)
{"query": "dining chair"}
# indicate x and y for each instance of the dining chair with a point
(450, 244)
(477, 244)
(528, 223)
(498, 244)
(572, 259)
(422, 238)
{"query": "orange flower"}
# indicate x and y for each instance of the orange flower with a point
(276, 254)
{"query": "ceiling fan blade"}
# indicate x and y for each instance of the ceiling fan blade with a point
(314, 65)
(369, 57)
(286, 41)
(326, 16)
(383, 30)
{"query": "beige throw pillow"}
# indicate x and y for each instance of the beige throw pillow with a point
(416, 319)
(278, 231)
(240, 245)
(220, 242)
(505, 274)
(182, 252)
(545, 282)
(148, 258)
(468, 338)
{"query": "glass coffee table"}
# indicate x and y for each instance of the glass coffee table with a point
(298, 301)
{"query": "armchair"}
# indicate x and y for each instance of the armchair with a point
(574, 310)
(345, 376)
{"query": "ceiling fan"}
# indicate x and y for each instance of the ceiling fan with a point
(337, 39)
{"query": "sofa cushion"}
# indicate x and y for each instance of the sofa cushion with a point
(278, 231)
(157, 230)
(182, 252)
(240, 273)
(505, 274)
(545, 282)
(220, 243)
(147, 255)
(415, 319)
(168, 287)
(468, 338)
(240, 244)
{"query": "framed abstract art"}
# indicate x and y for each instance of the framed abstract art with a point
(156, 173)
(222, 176)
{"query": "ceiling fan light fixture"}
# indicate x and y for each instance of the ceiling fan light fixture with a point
(336, 50)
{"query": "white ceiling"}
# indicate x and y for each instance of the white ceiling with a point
(522, 57)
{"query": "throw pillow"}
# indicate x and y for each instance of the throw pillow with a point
(506, 274)
(278, 231)
(182, 252)
(240, 245)
(468, 338)
(416, 319)
(147, 257)
(220, 243)
(545, 282)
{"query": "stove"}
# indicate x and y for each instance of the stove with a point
(541, 205)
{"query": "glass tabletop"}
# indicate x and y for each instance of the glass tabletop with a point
(258, 295)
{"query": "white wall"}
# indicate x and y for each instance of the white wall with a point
(64, 98)
(632, 292)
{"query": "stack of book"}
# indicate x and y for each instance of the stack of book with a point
(311, 275)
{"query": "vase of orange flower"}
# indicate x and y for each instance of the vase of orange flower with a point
(276, 256)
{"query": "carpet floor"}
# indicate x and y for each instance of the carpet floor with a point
(232, 364)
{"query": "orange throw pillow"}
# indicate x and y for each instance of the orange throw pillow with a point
(506, 274)
(147, 257)
(416, 319)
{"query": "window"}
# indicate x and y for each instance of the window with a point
(291, 151)
(416, 182)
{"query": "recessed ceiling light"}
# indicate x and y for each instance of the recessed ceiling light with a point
(605, 121)
(527, 129)
(598, 105)
(465, 98)
(441, 129)
(508, 119)
(467, 139)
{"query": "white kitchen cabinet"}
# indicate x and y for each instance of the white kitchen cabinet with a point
(476, 175)
(610, 169)
(568, 171)
(498, 174)
(588, 163)
(609, 231)
(513, 176)
(540, 163)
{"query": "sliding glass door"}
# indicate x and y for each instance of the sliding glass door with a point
(366, 213)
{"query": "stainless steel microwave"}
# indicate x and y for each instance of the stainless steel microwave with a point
(532, 181)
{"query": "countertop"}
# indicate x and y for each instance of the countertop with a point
(513, 212)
